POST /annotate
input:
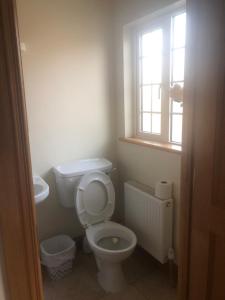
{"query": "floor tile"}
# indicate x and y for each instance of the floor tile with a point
(156, 286)
(147, 280)
(78, 285)
(88, 262)
(130, 293)
(138, 265)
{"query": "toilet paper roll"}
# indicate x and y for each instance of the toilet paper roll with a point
(163, 189)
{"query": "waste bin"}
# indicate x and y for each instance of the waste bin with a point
(57, 254)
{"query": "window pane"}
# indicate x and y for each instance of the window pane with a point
(156, 123)
(146, 122)
(176, 128)
(156, 69)
(151, 70)
(151, 57)
(177, 107)
(179, 30)
(146, 71)
(151, 43)
(156, 98)
(146, 98)
(178, 65)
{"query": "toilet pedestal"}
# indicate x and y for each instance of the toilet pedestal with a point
(110, 276)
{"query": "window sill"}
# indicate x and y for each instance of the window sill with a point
(150, 144)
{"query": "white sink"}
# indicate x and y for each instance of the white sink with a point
(41, 189)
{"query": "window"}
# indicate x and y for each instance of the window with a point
(160, 49)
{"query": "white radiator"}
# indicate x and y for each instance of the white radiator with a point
(150, 218)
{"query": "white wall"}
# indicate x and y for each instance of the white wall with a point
(73, 70)
(67, 74)
(135, 162)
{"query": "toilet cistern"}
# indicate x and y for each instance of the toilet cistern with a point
(91, 190)
(69, 174)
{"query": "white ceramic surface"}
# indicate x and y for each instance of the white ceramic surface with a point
(83, 166)
(85, 183)
(68, 176)
(95, 198)
(95, 203)
(41, 189)
(110, 275)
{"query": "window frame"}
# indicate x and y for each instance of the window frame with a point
(171, 113)
(159, 22)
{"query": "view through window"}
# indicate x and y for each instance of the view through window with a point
(161, 57)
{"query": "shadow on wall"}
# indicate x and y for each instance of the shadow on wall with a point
(53, 218)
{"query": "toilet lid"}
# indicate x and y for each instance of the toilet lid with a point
(95, 198)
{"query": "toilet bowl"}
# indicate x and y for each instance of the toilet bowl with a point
(111, 242)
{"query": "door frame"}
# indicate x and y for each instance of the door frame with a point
(18, 237)
(18, 234)
(187, 165)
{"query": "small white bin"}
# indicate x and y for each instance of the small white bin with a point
(57, 254)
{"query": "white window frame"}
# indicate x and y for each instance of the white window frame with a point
(160, 21)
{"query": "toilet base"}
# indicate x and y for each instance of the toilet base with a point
(111, 277)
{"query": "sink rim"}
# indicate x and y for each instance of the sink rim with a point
(43, 194)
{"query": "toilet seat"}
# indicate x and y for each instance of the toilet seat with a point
(95, 198)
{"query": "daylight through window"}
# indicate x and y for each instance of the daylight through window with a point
(160, 80)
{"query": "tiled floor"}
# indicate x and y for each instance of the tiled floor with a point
(147, 280)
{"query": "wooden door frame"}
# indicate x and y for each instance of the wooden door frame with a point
(202, 213)
(20, 254)
(187, 169)
(19, 237)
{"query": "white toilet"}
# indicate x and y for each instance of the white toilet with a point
(95, 202)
